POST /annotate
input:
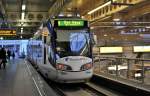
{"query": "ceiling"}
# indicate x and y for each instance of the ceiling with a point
(36, 11)
(117, 23)
(132, 25)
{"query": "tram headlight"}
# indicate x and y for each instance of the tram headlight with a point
(86, 66)
(63, 67)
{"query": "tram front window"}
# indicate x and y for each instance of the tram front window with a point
(73, 43)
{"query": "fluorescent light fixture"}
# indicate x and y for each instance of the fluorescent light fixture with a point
(148, 27)
(129, 32)
(21, 31)
(145, 13)
(78, 15)
(108, 3)
(61, 14)
(69, 15)
(1, 38)
(105, 35)
(92, 11)
(82, 17)
(22, 15)
(91, 27)
(111, 49)
(116, 19)
(23, 7)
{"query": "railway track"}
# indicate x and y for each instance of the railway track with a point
(83, 89)
(76, 90)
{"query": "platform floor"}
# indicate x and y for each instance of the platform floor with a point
(124, 81)
(16, 80)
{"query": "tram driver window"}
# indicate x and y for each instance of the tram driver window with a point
(73, 43)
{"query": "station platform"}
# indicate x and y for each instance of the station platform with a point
(20, 79)
(125, 86)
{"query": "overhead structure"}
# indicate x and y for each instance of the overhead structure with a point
(58, 7)
(109, 19)
(26, 15)
(108, 8)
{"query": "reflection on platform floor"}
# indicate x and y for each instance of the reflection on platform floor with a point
(16, 80)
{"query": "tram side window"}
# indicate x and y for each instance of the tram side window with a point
(39, 51)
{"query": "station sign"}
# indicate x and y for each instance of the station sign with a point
(111, 49)
(141, 48)
(7, 32)
(65, 23)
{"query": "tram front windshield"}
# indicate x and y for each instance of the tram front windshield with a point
(73, 43)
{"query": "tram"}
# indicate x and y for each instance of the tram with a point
(64, 50)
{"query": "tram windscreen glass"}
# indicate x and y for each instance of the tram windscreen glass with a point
(73, 43)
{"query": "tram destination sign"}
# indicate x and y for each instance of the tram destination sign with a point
(70, 23)
(7, 32)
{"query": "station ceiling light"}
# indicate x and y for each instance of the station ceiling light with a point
(148, 27)
(91, 27)
(21, 31)
(82, 17)
(105, 35)
(22, 15)
(69, 15)
(116, 19)
(92, 11)
(1, 38)
(100, 7)
(61, 15)
(23, 7)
